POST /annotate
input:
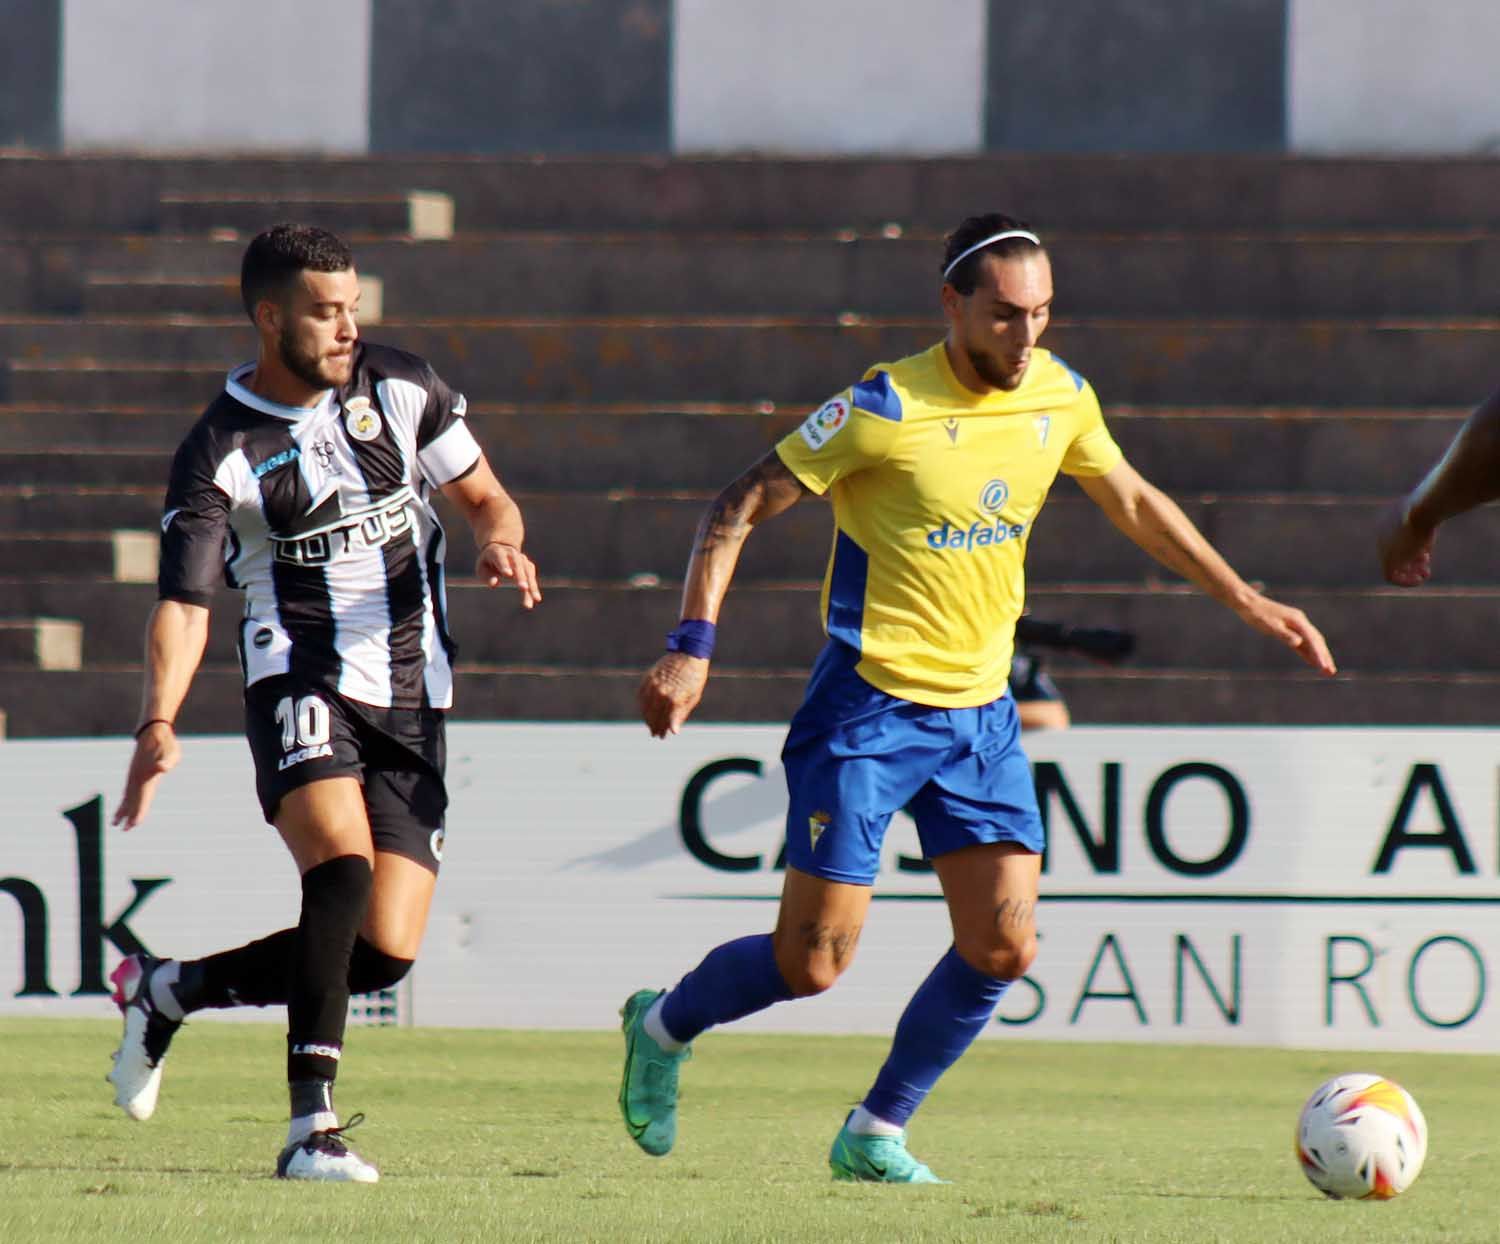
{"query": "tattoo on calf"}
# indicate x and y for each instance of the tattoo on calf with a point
(1014, 913)
(839, 942)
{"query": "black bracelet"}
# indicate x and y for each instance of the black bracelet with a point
(155, 721)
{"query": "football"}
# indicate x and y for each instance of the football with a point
(1361, 1136)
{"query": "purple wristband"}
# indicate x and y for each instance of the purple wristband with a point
(693, 637)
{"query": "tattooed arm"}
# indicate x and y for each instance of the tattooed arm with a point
(1155, 522)
(673, 686)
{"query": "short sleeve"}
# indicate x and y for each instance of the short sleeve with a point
(194, 526)
(446, 449)
(1092, 450)
(851, 432)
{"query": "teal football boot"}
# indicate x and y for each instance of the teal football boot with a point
(648, 1087)
(876, 1159)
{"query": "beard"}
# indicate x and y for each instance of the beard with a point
(991, 373)
(310, 367)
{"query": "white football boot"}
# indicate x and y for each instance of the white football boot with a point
(324, 1156)
(143, 1047)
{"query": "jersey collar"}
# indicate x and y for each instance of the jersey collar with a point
(995, 397)
(234, 385)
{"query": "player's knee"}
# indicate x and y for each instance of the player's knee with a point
(814, 958)
(371, 969)
(810, 976)
(811, 969)
(1006, 959)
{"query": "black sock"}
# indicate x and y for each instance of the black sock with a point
(311, 1097)
(334, 897)
(371, 970)
(259, 973)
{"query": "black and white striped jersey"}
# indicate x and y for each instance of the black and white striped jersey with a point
(321, 516)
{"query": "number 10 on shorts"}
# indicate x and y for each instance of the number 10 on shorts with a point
(305, 730)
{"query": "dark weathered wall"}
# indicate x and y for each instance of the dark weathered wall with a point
(1136, 75)
(30, 65)
(523, 75)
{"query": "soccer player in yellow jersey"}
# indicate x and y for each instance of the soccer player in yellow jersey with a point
(936, 466)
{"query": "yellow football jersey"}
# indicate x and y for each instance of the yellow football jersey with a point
(934, 490)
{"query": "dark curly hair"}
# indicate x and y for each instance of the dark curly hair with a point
(276, 257)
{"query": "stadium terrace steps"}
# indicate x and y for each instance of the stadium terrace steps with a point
(156, 295)
(62, 510)
(1283, 344)
(575, 448)
(111, 296)
(1134, 362)
(40, 643)
(1354, 275)
(1285, 541)
(92, 193)
(106, 700)
(776, 626)
(422, 214)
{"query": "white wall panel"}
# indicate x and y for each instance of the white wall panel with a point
(216, 74)
(1318, 888)
(1398, 76)
(826, 76)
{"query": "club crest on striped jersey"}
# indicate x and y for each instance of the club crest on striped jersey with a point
(360, 419)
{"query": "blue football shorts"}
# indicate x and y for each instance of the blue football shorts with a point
(854, 756)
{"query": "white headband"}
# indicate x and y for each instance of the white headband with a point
(990, 241)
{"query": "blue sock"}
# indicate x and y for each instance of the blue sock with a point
(734, 980)
(949, 1009)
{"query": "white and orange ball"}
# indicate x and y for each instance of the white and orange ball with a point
(1361, 1137)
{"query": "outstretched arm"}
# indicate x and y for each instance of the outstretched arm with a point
(176, 635)
(495, 519)
(1467, 475)
(1155, 522)
(673, 686)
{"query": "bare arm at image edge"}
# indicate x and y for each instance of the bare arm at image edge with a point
(1467, 475)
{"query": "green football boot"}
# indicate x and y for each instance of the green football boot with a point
(648, 1088)
(876, 1159)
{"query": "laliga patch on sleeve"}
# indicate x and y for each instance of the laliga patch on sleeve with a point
(825, 423)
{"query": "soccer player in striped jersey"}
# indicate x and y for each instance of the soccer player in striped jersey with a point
(307, 485)
(936, 466)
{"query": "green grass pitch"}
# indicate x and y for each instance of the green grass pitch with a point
(484, 1135)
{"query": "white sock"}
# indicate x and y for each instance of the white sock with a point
(162, 980)
(657, 1030)
(863, 1123)
(304, 1125)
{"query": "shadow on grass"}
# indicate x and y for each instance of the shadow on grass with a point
(94, 1168)
(1246, 1198)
